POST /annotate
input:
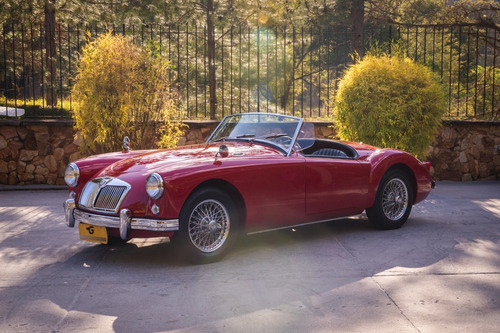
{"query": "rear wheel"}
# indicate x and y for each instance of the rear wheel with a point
(393, 202)
(207, 226)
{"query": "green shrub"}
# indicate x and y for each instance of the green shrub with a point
(122, 90)
(389, 101)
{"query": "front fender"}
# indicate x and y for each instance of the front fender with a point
(386, 159)
(90, 166)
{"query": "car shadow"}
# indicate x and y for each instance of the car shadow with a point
(160, 253)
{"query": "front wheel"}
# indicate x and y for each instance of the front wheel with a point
(207, 226)
(393, 202)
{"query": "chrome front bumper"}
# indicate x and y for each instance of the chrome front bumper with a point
(124, 222)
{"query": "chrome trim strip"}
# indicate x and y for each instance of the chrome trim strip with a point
(94, 219)
(304, 224)
(135, 223)
(158, 225)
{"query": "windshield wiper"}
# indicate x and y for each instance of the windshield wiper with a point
(243, 136)
(221, 139)
(274, 136)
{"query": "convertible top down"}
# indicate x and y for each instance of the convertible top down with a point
(256, 172)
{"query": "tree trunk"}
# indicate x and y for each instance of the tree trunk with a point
(211, 59)
(50, 52)
(286, 93)
(357, 21)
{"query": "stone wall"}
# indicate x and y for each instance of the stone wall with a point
(37, 151)
(466, 151)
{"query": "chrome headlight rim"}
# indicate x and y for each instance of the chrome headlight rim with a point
(72, 175)
(155, 186)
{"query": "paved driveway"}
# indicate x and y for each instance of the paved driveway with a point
(439, 273)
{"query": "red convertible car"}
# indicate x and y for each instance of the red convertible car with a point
(256, 172)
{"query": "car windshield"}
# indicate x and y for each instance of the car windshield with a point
(278, 130)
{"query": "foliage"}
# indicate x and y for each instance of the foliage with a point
(67, 11)
(123, 89)
(481, 12)
(389, 101)
(404, 11)
(481, 102)
(263, 55)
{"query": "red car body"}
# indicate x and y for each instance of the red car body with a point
(269, 187)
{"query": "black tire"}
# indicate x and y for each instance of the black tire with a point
(393, 202)
(207, 226)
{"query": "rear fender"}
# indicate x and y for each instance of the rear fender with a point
(384, 160)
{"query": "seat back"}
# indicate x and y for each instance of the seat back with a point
(329, 152)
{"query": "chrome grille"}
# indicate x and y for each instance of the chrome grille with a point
(109, 197)
(104, 194)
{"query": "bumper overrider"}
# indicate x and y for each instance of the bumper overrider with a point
(124, 222)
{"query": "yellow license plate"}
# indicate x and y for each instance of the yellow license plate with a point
(93, 233)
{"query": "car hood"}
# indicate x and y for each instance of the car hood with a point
(185, 157)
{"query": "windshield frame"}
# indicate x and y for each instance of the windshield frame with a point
(215, 136)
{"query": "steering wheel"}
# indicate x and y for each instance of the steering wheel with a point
(284, 140)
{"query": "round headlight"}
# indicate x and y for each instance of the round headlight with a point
(71, 175)
(154, 186)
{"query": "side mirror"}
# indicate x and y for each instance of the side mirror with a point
(223, 152)
(126, 144)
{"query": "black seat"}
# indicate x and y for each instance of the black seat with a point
(329, 152)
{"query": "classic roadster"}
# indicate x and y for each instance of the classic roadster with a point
(256, 172)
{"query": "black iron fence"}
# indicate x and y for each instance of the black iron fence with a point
(274, 70)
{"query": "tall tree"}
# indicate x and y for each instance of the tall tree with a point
(212, 14)
(211, 58)
(482, 12)
(404, 11)
(357, 25)
(50, 51)
(49, 14)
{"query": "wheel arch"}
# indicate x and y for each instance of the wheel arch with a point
(396, 212)
(409, 173)
(230, 190)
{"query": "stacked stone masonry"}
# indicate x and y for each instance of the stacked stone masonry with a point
(37, 152)
(465, 151)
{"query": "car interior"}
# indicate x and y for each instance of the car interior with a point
(326, 149)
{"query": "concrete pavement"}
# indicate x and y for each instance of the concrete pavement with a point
(439, 273)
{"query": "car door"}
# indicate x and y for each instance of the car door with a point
(273, 191)
(335, 187)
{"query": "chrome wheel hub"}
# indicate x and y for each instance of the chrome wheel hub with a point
(395, 199)
(209, 225)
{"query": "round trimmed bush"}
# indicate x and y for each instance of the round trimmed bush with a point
(389, 101)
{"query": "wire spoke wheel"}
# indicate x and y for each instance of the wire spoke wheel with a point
(395, 199)
(209, 225)
(393, 202)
